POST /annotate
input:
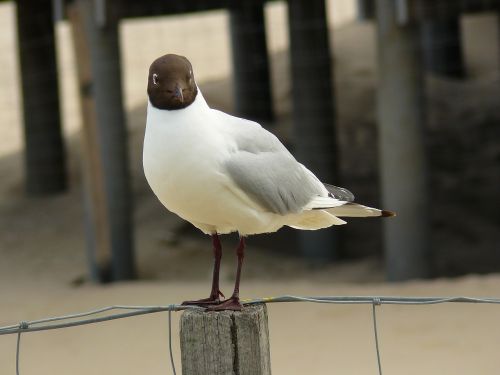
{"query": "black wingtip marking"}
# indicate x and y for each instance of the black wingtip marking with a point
(386, 213)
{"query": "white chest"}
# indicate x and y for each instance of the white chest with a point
(182, 160)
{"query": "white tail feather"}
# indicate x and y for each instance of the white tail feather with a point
(323, 203)
(312, 220)
(354, 210)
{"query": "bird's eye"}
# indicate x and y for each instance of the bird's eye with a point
(155, 79)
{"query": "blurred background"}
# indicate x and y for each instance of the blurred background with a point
(396, 100)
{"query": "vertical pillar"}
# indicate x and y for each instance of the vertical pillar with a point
(105, 156)
(252, 82)
(44, 151)
(402, 157)
(366, 10)
(313, 108)
(442, 38)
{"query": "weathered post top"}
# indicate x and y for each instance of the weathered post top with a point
(225, 342)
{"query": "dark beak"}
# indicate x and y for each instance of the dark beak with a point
(178, 94)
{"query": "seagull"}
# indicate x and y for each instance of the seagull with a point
(225, 174)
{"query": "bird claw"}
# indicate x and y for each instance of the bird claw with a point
(204, 302)
(232, 303)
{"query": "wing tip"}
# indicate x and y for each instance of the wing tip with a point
(386, 213)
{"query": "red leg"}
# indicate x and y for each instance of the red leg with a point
(233, 303)
(213, 299)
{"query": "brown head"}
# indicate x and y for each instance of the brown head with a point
(171, 82)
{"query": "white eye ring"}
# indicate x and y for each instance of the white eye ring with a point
(155, 78)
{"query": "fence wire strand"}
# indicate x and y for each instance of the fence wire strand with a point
(17, 352)
(170, 341)
(375, 303)
(66, 321)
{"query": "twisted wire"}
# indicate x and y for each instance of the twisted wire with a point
(47, 323)
(66, 321)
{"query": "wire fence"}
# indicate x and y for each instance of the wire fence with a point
(89, 317)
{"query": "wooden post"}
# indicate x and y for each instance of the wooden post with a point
(44, 150)
(226, 342)
(252, 82)
(105, 156)
(442, 37)
(313, 109)
(401, 120)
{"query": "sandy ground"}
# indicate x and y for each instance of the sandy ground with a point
(42, 247)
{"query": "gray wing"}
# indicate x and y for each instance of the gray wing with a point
(264, 169)
(274, 180)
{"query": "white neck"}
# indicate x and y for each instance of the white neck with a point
(198, 106)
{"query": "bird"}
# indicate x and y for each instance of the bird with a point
(226, 174)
